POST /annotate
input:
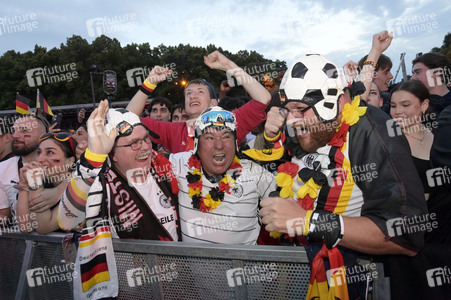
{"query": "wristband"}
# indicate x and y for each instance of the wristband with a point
(96, 160)
(147, 87)
(327, 226)
(369, 62)
(272, 140)
(22, 188)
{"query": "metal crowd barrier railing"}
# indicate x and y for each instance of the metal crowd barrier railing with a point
(34, 267)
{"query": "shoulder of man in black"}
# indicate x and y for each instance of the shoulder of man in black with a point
(394, 189)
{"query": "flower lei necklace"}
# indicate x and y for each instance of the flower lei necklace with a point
(314, 179)
(216, 195)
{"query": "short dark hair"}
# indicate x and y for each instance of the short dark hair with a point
(383, 62)
(205, 83)
(433, 60)
(177, 106)
(414, 87)
(161, 101)
(229, 103)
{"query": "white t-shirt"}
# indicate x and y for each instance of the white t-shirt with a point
(159, 204)
(9, 176)
(236, 219)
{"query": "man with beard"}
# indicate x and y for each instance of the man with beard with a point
(26, 133)
(350, 180)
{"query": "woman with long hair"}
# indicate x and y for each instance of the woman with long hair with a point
(54, 167)
(408, 107)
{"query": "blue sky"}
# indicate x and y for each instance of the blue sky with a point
(284, 29)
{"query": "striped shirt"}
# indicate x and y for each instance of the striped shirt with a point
(340, 194)
(236, 220)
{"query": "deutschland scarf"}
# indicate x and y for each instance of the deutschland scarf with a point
(95, 261)
(314, 188)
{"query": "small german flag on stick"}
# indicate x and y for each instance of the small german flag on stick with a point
(42, 104)
(22, 104)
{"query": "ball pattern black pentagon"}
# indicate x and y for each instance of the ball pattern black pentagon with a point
(315, 81)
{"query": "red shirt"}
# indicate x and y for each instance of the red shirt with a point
(174, 136)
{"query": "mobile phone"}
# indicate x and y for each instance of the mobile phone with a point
(58, 118)
(109, 82)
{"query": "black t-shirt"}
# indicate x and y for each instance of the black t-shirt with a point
(439, 103)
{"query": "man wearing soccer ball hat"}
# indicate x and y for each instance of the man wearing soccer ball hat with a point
(350, 179)
(219, 192)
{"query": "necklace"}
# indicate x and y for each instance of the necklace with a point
(216, 194)
(418, 139)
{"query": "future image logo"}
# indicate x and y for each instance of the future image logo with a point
(413, 24)
(18, 23)
(438, 276)
(108, 25)
(158, 273)
(210, 224)
(438, 76)
(136, 76)
(208, 26)
(411, 225)
(59, 273)
(438, 176)
(52, 74)
(248, 275)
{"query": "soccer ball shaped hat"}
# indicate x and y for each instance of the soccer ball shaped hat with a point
(216, 117)
(124, 121)
(315, 81)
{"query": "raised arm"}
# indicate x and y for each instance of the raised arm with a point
(71, 212)
(216, 60)
(138, 102)
(381, 41)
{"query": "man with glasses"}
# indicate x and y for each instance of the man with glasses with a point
(139, 188)
(199, 95)
(350, 187)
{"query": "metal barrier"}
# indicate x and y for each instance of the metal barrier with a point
(34, 267)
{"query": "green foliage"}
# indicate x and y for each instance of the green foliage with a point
(187, 60)
(446, 47)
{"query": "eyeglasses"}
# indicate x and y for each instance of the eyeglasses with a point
(61, 137)
(218, 117)
(138, 144)
(296, 112)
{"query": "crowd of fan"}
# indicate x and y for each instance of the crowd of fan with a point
(229, 148)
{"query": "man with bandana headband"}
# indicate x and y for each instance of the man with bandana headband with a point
(350, 180)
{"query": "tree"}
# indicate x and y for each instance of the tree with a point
(446, 47)
(76, 56)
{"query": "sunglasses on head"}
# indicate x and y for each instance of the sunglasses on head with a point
(59, 136)
(218, 117)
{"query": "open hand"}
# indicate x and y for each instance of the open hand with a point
(98, 141)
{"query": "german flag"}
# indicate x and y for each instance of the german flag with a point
(22, 104)
(42, 104)
(94, 271)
